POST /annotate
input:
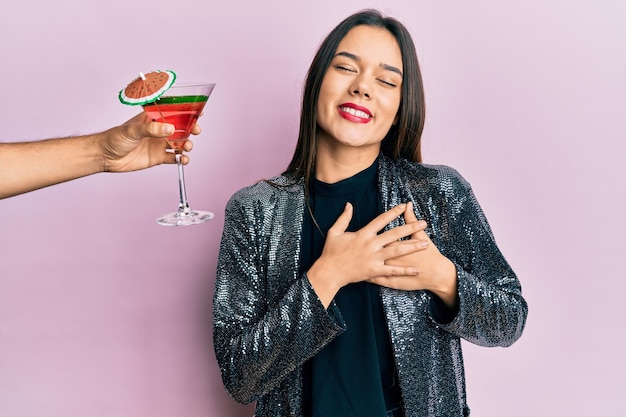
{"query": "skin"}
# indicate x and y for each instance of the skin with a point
(436, 272)
(137, 144)
(358, 74)
(367, 72)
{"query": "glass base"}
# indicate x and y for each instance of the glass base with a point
(185, 219)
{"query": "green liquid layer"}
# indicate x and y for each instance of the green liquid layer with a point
(180, 99)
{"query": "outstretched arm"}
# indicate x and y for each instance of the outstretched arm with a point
(137, 144)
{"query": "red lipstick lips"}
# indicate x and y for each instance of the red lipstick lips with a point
(354, 113)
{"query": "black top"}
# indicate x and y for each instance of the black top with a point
(354, 375)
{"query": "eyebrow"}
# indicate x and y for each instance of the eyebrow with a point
(358, 59)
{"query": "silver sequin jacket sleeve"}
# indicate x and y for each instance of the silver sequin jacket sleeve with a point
(492, 311)
(267, 319)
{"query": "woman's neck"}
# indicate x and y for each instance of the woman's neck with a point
(334, 165)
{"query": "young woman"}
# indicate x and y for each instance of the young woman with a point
(332, 298)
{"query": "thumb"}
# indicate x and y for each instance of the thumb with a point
(409, 214)
(410, 217)
(157, 130)
(342, 222)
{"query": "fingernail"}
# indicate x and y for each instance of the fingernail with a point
(421, 223)
(168, 129)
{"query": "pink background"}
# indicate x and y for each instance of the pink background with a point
(104, 313)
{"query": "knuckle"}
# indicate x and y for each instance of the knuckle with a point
(397, 272)
(151, 129)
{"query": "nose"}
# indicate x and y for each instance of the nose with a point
(360, 88)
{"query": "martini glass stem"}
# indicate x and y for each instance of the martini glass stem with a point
(183, 205)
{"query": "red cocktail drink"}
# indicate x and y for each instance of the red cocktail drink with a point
(181, 105)
(181, 111)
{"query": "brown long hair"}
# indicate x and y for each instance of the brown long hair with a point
(404, 138)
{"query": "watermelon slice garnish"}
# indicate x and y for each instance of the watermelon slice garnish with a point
(147, 87)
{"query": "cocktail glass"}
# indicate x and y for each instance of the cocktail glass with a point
(181, 105)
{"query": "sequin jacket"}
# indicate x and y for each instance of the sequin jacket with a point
(268, 319)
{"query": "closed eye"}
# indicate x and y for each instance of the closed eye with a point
(390, 84)
(343, 67)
